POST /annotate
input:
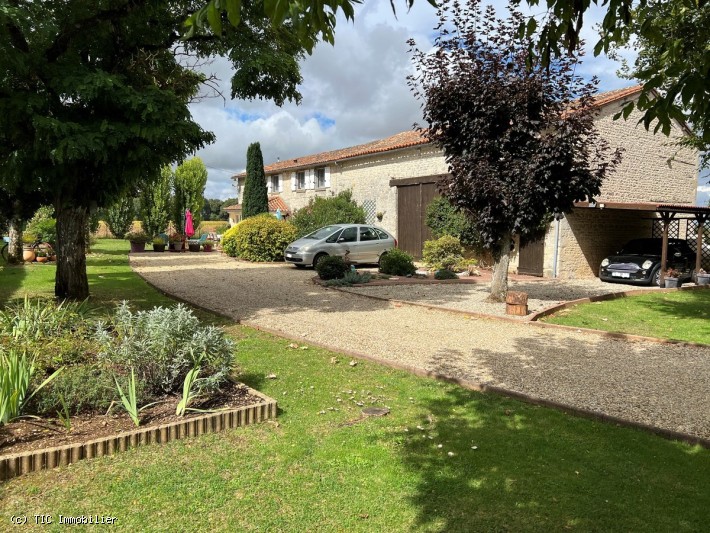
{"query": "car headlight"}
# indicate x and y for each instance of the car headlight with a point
(605, 262)
(647, 264)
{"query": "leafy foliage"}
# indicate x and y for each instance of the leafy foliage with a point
(94, 100)
(260, 238)
(155, 203)
(519, 138)
(445, 273)
(16, 373)
(397, 262)
(256, 197)
(351, 278)
(119, 216)
(189, 183)
(332, 267)
(163, 344)
(43, 225)
(321, 211)
(672, 64)
(444, 253)
(444, 219)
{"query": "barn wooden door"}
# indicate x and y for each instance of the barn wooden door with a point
(412, 201)
(531, 259)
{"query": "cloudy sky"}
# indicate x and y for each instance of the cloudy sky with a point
(353, 92)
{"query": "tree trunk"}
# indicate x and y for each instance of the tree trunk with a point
(499, 282)
(71, 281)
(15, 246)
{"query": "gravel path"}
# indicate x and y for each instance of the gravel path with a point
(471, 297)
(658, 384)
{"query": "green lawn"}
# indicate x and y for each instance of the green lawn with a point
(679, 315)
(321, 467)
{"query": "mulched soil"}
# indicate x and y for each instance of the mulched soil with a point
(36, 434)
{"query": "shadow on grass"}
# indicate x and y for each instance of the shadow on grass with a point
(11, 280)
(494, 464)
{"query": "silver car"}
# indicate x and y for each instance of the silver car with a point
(362, 244)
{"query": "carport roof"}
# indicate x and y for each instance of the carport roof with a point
(648, 206)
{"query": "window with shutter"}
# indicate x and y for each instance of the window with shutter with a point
(320, 178)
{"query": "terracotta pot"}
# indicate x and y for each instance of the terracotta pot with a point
(207, 247)
(42, 259)
(28, 254)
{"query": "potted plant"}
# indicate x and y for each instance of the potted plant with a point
(175, 242)
(207, 245)
(42, 256)
(193, 245)
(158, 244)
(671, 278)
(703, 278)
(137, 240)
(28, 247)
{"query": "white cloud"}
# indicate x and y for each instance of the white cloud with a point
(353, 92)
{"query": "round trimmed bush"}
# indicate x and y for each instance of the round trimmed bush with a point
(332, 267)
(260, 238)
(445, 273)
(444, 253)
(397, 263)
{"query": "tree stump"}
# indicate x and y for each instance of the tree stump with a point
(516, 303)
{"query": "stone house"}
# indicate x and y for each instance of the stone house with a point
(394, 179)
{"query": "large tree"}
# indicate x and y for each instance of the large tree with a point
(519, 138)
(120, 215)
(673, 63)
(94, 100)
(256, 197)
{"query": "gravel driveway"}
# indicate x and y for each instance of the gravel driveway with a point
(658, 384)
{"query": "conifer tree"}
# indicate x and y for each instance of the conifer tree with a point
(256, 197)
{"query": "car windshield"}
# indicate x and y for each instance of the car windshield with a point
(643, 247)
(322, 233)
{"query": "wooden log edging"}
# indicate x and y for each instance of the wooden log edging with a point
(33, 461)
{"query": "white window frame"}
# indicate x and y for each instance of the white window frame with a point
(320, 180)
(301, 180)
(274, 183)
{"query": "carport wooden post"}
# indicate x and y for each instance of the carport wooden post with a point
(702, 218)
(666, 217)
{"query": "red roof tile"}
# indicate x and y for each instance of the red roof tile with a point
(404, 139)
(275, 202)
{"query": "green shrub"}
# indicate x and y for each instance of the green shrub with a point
(445, 273)
(320, 211)
(444, 253)
(85, 388)
(350, 278)
(40, 319)
(163, 345)
(397, 263)
(43, 225)
(259, 238)
(444, 219)
(332, 267)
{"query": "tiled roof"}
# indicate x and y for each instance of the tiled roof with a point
(275, 202)
(404, 139)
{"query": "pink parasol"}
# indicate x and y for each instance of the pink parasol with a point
(189, 230)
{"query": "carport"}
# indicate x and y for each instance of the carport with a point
(666, 214)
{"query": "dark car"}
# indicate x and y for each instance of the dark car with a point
(639, 262)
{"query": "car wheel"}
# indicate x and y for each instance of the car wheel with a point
(379, 261)
(656, 277)
(317, 259)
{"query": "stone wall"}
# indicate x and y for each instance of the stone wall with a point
(586, 236)
(652, 168)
